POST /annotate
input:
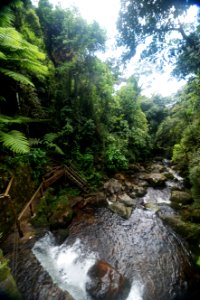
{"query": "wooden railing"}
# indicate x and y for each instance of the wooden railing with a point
(6, 195)
(48, 180)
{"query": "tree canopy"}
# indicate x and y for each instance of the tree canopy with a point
(154, 19)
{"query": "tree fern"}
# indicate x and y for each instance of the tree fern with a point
(18, 57)
(49, 139)
(6, 16)
(16, 76)
(15, 141)
(18, 119)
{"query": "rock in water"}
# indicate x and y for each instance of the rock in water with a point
(105, 282)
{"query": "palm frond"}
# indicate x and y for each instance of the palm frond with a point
(16, 76)
(15, 141)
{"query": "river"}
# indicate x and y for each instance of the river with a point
(153, 259)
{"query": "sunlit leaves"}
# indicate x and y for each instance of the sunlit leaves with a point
(16, 76)
(15, 141)
(18, 58)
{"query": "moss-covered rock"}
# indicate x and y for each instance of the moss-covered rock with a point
(155, 179)
(7, 283)
(188, 230)
(120, 209)
(179, 198)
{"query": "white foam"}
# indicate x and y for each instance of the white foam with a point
(136, 291)
(68, 266)
(157, 196)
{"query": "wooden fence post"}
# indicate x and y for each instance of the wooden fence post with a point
(15, 216)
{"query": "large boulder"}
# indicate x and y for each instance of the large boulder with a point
(126, 200)
(157, 168)
(179, 198)
(113, 186)
(120, 209)
(105, 282)
(155, 179)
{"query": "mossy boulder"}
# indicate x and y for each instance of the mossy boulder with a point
(8, 286)
(155, 179)
(120, 209)
(180, 198)
(188, 230)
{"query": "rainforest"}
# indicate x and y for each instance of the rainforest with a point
(99, 183)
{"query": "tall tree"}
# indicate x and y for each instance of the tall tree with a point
(139, 20)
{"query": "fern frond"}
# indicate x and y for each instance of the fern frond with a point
(34, 67)
(50, 137)
(32, 50)
(56, 148)
(18, 119)
(10, 38)
(15, 141)
(2, 55)
(34, 142)
(16, 76)
(6, 17)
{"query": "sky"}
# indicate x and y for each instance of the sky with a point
(105, 12)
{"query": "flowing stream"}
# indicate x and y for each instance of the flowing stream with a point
(147, 253)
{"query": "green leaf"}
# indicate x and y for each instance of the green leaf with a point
(16, 76)
(15, 141)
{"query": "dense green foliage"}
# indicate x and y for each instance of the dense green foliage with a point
(48, 59)
(59, 105)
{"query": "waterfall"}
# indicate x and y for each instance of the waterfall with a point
(68, 266)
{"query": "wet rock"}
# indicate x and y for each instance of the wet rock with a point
(113, 198)
(126, 199)
(136, 167)
(75, 200)
(194, 214)
(97, 199)
(61, 218)
(157, 168)
(120, 177)
(188, 230)
(32, 280)
(113, 186)
(152, 206)
(142, 183)
(155, 179)
(120, 209)
(105, 282)
(179, 198)
(60, 235)
(139, 190)
(128, 185)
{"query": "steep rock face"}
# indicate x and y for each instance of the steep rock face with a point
(105, 282)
